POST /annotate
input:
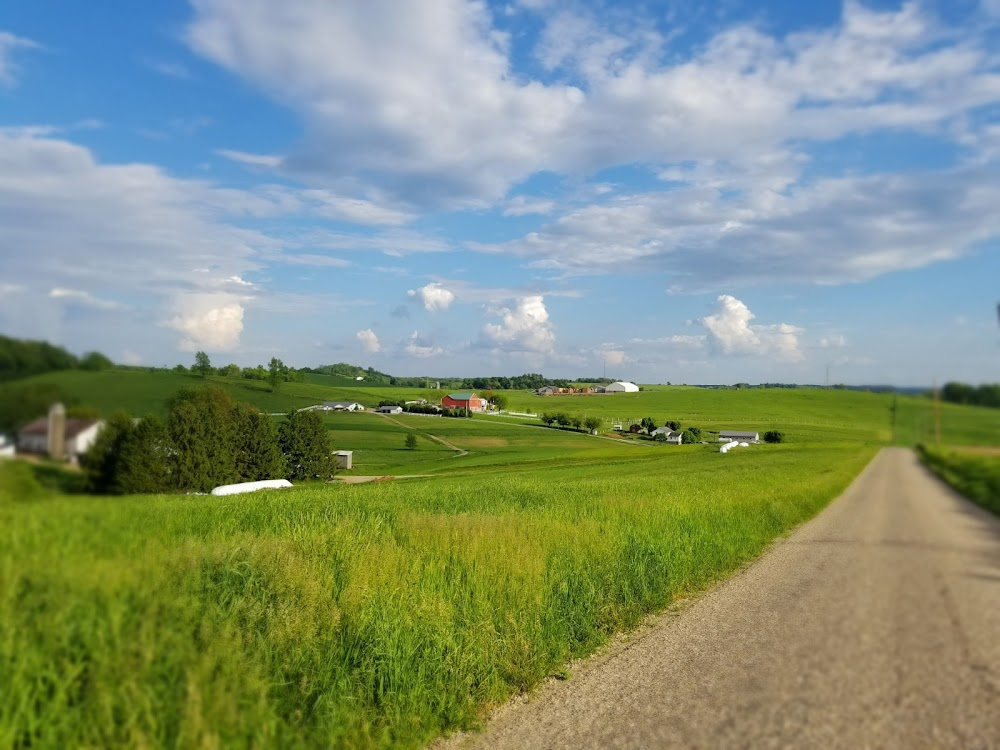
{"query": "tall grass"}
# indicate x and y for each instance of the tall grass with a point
(360, 616)
(975, 476)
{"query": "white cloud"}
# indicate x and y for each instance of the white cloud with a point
(731, 332)
(675, 341)
(9, 43)
(418, 97)
(614, 357)
(131, 358)
(525, 327)
(253, 160)
(85, 299)
(836, 341)
(421, 347)
(521, 205)
(369, 341)
(423, 100)
(434, 297)
(212, 322)
(835, 230)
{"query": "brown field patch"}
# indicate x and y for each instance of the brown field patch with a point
(485, 442)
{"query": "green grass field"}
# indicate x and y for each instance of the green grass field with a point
(385, 614)
(368, 615)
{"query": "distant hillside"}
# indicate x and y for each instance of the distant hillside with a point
(21, 359)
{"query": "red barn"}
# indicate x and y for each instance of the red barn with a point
(469, 401)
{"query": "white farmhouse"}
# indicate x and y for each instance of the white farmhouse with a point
(390, 409)
(621, 387)
(59, 437)
(672, 436)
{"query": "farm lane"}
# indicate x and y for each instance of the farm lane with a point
(873, 625)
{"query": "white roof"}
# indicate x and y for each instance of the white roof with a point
(621, 385)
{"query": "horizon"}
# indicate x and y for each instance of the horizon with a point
(763, 192)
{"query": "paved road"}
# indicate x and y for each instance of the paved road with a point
(875, 625)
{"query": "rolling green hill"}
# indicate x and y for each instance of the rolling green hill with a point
(804, 414)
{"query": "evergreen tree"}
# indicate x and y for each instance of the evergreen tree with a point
(202, 430)
(258, 454)
(102, 462)
(306, 445)
(144, 459)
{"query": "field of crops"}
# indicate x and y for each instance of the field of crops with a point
(365, 615)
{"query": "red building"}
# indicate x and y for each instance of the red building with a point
(469, 401)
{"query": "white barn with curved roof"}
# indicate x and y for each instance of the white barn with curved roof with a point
(621, 386)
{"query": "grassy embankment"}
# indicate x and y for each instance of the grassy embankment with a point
(368, 615)
(976, 476)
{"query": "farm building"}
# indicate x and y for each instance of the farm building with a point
(547, 390)
(345, 459)
(728, 436)
(464, 400)
(673, 436)
(390, 409)
(342, 406)
(621, 387)
(59, 437)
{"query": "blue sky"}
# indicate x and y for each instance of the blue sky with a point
(671, 191)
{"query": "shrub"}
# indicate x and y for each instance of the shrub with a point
(774, 436)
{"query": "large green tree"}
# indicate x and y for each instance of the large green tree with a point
(307, 447)
(202, 430)
(144, 458)
(202, 364)
(101, 463)
(276, 372)
(258, 454)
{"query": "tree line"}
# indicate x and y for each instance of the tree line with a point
(983, 395)
(22, 359)
(208, 439)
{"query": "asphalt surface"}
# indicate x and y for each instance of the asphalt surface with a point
(875, 625)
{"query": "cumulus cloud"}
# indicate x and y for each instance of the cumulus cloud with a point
(421, 347)
(419, 96)
(434, 297)
(731, 332)
(613, 357)
(524, 327)
(9, 44)
(209, 322)
(424, 101)
(369, 341)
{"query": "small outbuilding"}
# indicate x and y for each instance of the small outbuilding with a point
(345, 459)
(621, 386)
(390, 409)
(738, 436)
